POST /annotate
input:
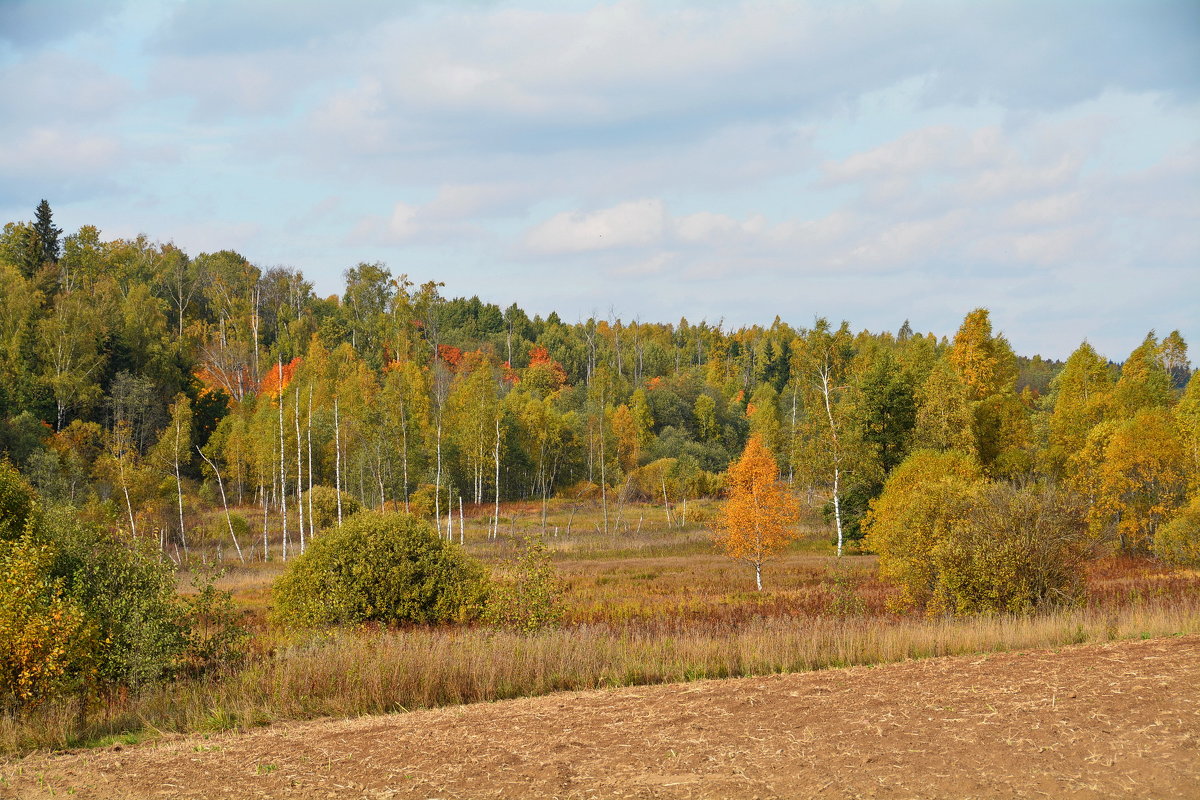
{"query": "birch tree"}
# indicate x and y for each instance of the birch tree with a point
(759, 517)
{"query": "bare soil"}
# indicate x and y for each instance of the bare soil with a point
(1100, 721)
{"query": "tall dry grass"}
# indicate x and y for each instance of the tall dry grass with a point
(353, 673)
(652, 605)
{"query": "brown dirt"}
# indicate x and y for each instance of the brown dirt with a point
(1115, 720)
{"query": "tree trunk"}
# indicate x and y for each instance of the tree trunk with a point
(310, 470)
(837, 454)
(404, 444)
(129, 508)
(666, 504)
(337, 462)
(282, 468)
(437, 482)
(496, 515)
(299, 472)
(224, 503)
(262, 488)
(179, 492)
(603, 473)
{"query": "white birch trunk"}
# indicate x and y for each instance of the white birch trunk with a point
(224, 503)
(311, 530)
(299, 472)
(337, 461)
(496, 512)
(282, 468)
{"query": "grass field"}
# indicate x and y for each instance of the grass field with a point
(650, 603)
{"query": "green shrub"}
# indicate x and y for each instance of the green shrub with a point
(18, 502)
(920, 500)
(325, 506)
(530, 598)
(1178, 542)
(380, 568)
(45, 638)
(128, 594)
(107, 611)
(955, 543)
(1016, 550)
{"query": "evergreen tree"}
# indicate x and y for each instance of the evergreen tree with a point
(47, 234)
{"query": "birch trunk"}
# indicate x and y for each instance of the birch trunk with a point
(282, 468)
(308, 426)
(224, 503)
(299, 472)
(337, 461)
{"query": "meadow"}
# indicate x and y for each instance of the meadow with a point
(648, 603)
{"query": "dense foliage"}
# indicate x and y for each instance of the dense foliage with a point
(956, 542)
(83, 611)
(390, 568)
(149, 387)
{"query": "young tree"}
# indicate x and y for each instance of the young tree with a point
(1144, 381)
(173, 451)
(760, 516)
(69, 345)
(826, 359)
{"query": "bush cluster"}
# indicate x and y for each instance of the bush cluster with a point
(82, 611)
(957, 543)
(380, 567)
(1178, 542)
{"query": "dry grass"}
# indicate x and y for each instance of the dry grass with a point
(654, 605)
(352, 673)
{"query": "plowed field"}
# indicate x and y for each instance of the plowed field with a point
(1101, 721)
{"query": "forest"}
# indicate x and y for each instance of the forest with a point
(197, 409)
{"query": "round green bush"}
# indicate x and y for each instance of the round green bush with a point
(389, 568)
(1178, 542)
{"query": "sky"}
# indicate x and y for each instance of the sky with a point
(725, 161)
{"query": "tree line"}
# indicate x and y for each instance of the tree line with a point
(141, 384)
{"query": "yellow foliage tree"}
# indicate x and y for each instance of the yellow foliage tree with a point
(760, 516)
(1143, 480)
(44, 637)
(1187, 415)
(625, 428)
(944, 417)
(1082, 398)
(1178, 542)
(985, 362)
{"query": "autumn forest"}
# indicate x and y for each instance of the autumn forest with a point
(185, 414)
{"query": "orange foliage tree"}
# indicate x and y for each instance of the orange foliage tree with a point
(760, 516)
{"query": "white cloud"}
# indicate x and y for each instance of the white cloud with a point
(60, 153)
(637, 223)
(55, 88)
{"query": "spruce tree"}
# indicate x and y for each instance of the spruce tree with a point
(47, 234)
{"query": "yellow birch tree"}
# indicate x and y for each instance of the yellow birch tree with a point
(760, 516)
